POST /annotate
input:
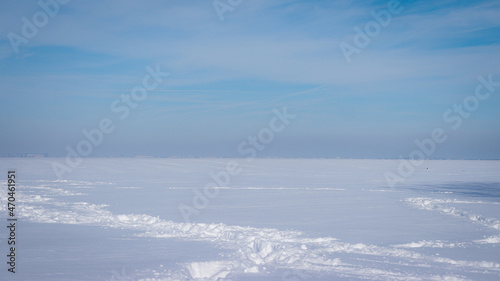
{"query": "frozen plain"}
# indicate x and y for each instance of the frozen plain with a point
(279, 219)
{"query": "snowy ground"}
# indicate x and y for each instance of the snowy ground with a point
(279, 219)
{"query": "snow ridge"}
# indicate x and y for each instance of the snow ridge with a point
(253, 250)
(438, 205)
(265, 250)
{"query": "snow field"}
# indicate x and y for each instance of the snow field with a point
(247, 251)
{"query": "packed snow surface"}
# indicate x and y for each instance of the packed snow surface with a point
(274, 219)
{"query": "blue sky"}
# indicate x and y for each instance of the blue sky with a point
(226, 77)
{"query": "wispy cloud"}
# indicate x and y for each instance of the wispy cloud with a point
(264, 54)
